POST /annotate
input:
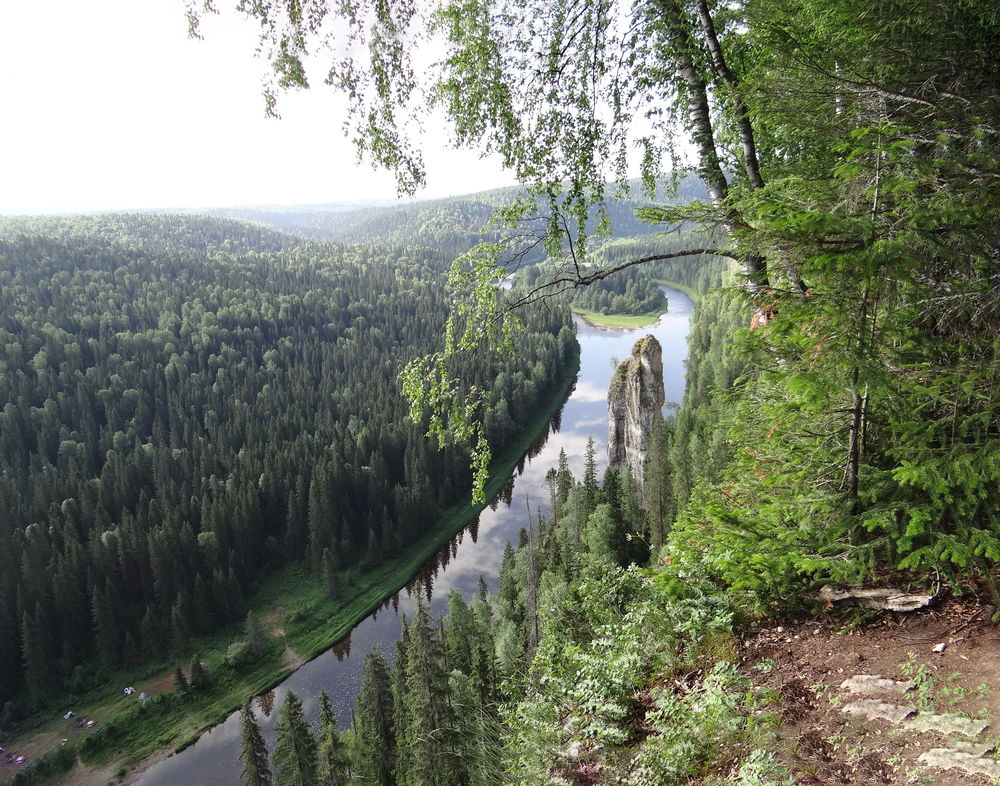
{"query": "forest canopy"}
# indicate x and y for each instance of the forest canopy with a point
(187, 403)
(851, 155)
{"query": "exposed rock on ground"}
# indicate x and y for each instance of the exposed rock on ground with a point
(635, 402)
(874, 705)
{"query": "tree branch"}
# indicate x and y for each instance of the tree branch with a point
(567, 280)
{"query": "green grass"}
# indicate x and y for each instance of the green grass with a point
(637, 321)
(130, 732)
(619, 321)
(681, 287)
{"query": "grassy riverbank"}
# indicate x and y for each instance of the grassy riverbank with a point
(633, 321)
(618, 321)
(691, 293)
(301, 622)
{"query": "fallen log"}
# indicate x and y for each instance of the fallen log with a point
(886, 599)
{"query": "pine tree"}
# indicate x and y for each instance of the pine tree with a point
(334, 767)
(431, 732)
(590, 487)
(106, 629)
(330, 578)
(36, 648)
(253, 751)
(564, 482)
(320, 517)
(657, 495)
(459, 633)
(179, 624)
(296, 753)
(151, 634)
(532, 578)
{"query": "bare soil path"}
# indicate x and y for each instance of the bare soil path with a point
(833, 733)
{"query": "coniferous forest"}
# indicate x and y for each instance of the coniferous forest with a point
(189, 403)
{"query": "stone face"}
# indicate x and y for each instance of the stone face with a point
(635, 402)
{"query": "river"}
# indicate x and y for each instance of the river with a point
(478, 550)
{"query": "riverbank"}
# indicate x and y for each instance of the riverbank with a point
(691, 293)
(632, 322)
(623, 322)
(301, 622)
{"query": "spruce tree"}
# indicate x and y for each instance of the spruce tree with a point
(590, 487)
(374, 730)
(431, 750)
(254, 636)
(565, 481)
(657, 496)
(330, 578)
(253, 751)
(296, 752)
(180, 682)
(334, 766)
(198, 677)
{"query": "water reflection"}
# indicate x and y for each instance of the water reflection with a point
(459, 563)
(342, 649)
(506, 495)
(265, 702)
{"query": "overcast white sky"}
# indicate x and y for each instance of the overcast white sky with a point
(106, 104)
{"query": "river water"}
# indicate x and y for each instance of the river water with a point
(477, 551)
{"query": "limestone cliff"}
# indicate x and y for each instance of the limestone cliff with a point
(635, 401)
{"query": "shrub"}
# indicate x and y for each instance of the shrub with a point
(237, 655)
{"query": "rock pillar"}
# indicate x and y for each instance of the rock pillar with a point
(635, 402)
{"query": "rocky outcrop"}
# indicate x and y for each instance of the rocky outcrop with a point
(635, 402)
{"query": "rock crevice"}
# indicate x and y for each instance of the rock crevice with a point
(635, 403)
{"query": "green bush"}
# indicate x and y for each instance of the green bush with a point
(54, 761)
(237, 655)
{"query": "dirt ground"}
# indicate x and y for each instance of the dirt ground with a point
(61, 729)
(805, 663)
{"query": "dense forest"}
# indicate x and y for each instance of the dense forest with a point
(456, 684)
(839, 424)
(188, 403)
(840, 420)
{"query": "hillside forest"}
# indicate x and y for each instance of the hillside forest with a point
(840, 421)
(190, 403)
(181, 410)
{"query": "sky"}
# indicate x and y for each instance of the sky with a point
(108, 105)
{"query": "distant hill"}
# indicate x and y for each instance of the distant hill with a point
(453, 224)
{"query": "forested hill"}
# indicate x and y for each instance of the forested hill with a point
(168, 233)
(186, 403)
(454, 224)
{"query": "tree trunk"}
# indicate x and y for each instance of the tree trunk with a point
(743, 123)
(753, 265)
